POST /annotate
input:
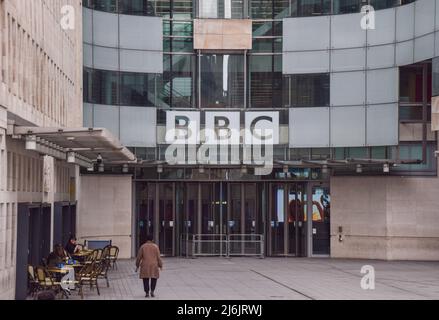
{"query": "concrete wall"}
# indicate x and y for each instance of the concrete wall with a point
(394, 218)
(105, 210)
(41, 85)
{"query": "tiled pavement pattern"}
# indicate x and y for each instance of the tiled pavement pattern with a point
(273, 278)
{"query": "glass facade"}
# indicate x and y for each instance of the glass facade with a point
(250, 79)
(309, 90)
(120, 88)
(238, 9)
(222, 80)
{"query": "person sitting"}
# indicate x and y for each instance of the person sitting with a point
(72, 246)
(57, 256)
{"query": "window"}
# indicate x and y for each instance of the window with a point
(105, 5)
(304, 8)
(119, 88)
(414, 152)
(346, 6)
(222, 80)
(222, 9)
(435, 70)
(309, 90)
(137, 89)
(412, 97)
(269, 9)
(137, 7)
(178, 78)
(266, 81)
(104, 86)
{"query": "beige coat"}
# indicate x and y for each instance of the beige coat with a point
(149, 261)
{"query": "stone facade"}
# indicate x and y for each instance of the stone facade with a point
(40, 85)
(390, 218)
(105, 208)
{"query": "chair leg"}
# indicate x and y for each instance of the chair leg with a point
(81, 292)
(108, 283)
(97, 287)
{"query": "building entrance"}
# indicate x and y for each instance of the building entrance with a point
(280, 215)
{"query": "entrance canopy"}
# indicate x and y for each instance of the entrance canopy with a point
(82, 146)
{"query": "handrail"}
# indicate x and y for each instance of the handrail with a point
(222, 245)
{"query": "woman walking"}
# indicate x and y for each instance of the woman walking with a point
(149, 261)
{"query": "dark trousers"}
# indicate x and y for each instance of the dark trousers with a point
(146, 284)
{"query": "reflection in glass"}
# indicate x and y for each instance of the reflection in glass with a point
(346, 6)
(266, 81)
(101, 86)
(177, 81)
(277, 220)
(304, 8)
(137, 89)
(146, 206)
(235, 209)
(269, 9)
(309, 90)
(166, 218)
(222, 80)
(321, 206)
(222, 9)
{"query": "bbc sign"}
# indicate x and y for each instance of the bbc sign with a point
(222, 128)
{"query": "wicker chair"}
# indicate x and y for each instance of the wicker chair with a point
(88, 275)
(46, 282)
(114, 253)
(33, 284)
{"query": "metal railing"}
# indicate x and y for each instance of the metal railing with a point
(198, 245)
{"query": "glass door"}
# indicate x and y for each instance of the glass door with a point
(277, 220)
(296, 220)
(146, 200)
(166, 192)
(287, 219)
(321, 208)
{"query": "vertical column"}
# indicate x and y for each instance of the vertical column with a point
(49, 189)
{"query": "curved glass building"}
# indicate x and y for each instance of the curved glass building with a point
(346, 87)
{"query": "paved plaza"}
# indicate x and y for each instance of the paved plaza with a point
(273, 279)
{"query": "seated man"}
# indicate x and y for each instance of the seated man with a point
(72, 246)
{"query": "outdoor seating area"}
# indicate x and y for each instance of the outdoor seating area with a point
(77, 273)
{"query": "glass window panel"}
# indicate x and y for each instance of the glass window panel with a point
(180, 28)
(346, 6)
(177, 86)
(137, 7)
(182, 45)
(267, 45)
(265, 82)
(309, 90)
(269, 9)
(261, 9)
(414, 152)
(411, 91)
(222, 80)
(182, 9)
(266, 29)
(167, 28)
(105, 86)
(383, 4)
(163, 8)
(305, 8)
(224, 9)
(106, 5)
(137, 89)
(410, 113)
(435, 68)
(378, 153)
